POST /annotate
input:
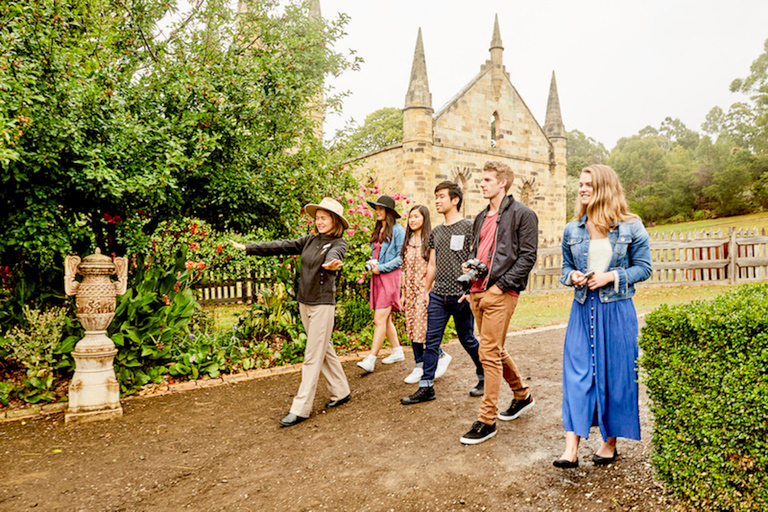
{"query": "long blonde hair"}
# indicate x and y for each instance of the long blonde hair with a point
(608, 204)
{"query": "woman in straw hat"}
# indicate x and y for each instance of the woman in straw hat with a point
(386, 243)
(321, 256)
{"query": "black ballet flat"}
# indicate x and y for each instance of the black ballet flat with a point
(604, 461)
(566, 464)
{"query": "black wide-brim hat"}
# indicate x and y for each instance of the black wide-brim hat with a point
(385, 202)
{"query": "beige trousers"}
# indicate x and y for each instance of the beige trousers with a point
(319, 357)
(493, 311)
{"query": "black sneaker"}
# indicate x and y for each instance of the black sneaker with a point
(478, 390)
(516, 408)
(478, 433)
(421, 395)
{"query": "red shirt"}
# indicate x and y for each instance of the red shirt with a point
(484, 251)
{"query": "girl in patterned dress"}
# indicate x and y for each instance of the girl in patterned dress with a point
(414, 299)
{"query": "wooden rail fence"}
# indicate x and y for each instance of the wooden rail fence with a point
(692, 257)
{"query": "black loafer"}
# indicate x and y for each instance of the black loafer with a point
(566, 464)
(604, 461)
(291, 420)
(340, 401)
(478, 390)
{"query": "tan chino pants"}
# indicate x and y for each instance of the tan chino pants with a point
(493, 311)
(319, 357)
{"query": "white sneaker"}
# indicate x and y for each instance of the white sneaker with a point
(368, 363)
(396, 356)
(415, 375)
(442, 364)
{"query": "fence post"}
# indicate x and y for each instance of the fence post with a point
(733, 251)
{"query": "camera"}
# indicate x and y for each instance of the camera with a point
(369, 264)
(477, 270)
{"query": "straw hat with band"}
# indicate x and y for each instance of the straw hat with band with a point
(329, 205)
(385, 202)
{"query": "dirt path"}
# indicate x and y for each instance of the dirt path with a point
(222, 449)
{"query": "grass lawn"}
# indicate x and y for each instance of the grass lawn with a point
(552, 308)
(542, 309)
(758, 220)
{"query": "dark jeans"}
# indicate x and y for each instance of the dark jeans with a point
(418, 353)
(440, 309)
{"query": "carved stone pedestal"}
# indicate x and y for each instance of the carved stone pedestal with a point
(94, 393)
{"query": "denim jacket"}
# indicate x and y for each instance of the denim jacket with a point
(631, 258)
(389, 254)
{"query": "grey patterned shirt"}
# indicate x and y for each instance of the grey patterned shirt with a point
(451, 245)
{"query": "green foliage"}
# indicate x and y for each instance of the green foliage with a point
(35, 346)
(583, 151)
(381, 128)
(109, 124)
(149, 319)
(706, 375)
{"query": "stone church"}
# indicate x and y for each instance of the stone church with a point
(486, 120)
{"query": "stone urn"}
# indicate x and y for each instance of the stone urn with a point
(94, 393)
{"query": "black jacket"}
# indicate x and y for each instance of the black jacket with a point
(316, 284)
(517, 240)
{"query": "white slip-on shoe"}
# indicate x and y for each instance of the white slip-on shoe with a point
(396, 356)
(415, 375)
(442, 364)
(368, 363)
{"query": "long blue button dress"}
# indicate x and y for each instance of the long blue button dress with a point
(600, 370)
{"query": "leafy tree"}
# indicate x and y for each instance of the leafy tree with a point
(583, 151)
(381, 128)
(108, 125)
(756, 86)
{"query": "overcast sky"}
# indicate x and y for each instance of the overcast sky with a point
(620, 65)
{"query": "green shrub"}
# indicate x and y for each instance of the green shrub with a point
(35, 346)
(707, 375)
(150, 318)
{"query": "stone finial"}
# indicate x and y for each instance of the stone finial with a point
(553, 124)
(496, 39)
(418, 89)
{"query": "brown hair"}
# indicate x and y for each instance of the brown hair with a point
(338, 226)
(383, 228)
(608, 205)
(426, 229)
(502, 170)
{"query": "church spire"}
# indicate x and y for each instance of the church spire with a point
(314, 9)
(496, 39)
(418, 89)
(553, 124)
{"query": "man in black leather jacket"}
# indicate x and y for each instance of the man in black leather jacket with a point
(506, 238)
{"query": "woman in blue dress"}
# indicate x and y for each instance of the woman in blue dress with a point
(606, 251)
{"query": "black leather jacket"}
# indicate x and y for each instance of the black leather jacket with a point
(517, 241)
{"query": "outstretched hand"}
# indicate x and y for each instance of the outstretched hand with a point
(237, 245)
(333, 265)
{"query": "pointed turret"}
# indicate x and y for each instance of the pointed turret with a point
(497, 50)
(417, 169)
(418, 89)
(553, 123)
(496, 39)
(314, 9)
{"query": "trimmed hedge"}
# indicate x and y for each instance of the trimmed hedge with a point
(706, 367)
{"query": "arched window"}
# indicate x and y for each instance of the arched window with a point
(461, 181)
(494, 129)
(526, 194)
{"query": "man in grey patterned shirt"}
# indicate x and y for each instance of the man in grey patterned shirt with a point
(450, 245)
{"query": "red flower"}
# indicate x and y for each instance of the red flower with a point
(202, 233)
(218, 249)
(193, 229)
(194, 246)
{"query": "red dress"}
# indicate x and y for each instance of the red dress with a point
(385, 288)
